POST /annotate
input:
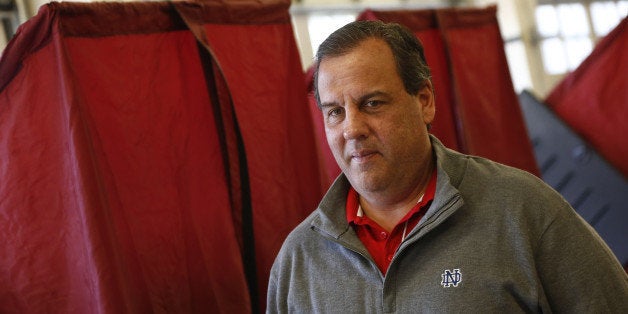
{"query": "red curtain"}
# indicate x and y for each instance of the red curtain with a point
(145, 169)
(477, 110)
(593, 98)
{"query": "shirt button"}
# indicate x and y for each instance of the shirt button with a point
(383, 235)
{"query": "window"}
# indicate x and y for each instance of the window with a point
(518, 64)
(320, 26)
(606, 15)
(567, 31)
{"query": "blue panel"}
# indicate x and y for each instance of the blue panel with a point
(597, 191)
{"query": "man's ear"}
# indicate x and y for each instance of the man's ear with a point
(427, 102)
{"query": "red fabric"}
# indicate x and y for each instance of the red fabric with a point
(477, 110)
(593, 99)
(282, 161)
(380, 243)
(115, 193)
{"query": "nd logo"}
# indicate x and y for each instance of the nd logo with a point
(451, 278)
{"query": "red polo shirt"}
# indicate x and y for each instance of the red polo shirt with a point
(380, 243)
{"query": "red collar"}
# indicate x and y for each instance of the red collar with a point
(352, 204)
(381, 244)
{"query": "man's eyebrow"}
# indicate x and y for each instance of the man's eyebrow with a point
(362, 99)
(328, 104)
(376, 93)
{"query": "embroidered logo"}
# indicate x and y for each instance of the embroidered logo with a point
(451, 278)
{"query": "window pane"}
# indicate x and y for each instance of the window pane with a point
(573, 20)
(553, 56)
(320, 26)
(577, 50)
(508, 19)
(605, 16)
(622, 6)
(547, 20)
(518, 64)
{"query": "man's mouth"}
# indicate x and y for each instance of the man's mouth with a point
(362, 155)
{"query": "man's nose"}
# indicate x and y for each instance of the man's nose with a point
(355, 125)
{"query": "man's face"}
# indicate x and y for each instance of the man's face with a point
(375, 129)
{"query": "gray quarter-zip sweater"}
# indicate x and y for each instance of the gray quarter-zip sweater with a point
(494, 240)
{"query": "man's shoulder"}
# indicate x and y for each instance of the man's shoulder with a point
(499, 173)
(464, 168)
(303, 232)
(483, 181)
(460, 166)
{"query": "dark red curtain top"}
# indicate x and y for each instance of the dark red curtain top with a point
(593, 99)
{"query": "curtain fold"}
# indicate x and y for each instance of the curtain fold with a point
(593, 98)
(130, 152)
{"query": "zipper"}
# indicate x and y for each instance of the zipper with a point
(429, 224)
(352, 249)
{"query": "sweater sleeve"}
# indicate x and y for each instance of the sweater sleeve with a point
(275, 299)
(271, 297)
(577, 270)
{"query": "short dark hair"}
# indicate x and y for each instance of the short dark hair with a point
(406, 49)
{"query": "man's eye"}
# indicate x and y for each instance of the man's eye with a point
(372, 103)
(334, 112)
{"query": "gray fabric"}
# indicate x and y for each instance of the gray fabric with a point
(518, 246)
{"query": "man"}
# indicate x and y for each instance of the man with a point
(410, 226)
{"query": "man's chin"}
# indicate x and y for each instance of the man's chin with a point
(365, 183)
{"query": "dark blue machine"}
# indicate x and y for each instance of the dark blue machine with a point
(597, 191)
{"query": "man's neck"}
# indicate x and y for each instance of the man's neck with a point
(387, 210)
